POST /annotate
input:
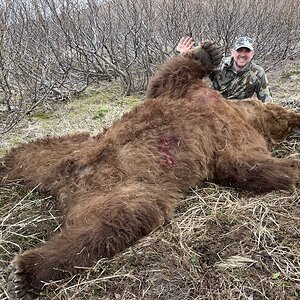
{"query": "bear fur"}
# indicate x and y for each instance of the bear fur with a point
(120, 185)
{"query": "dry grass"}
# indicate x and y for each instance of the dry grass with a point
(221, 244)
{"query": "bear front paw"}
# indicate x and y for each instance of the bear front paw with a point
(209, 54)
(17, 285)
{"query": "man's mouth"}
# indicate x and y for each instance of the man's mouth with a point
(242, 60)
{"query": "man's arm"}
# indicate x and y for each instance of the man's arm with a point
(263, 92)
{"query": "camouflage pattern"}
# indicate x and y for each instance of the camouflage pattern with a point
(241, 85)
(243, 42)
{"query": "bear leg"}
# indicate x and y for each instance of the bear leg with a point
(97, 228)
(258, 172)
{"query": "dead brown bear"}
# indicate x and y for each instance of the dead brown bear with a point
(115, 188)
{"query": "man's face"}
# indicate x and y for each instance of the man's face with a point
(242, 57)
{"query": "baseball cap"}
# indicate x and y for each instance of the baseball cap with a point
(243, 42)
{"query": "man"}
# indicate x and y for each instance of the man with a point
(238, 76)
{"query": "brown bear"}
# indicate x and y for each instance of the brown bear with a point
(117, 187)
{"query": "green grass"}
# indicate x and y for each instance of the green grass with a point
(90, 111)
(130, 101)
(43, 115)
(295, 71)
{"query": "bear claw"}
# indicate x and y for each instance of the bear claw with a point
(16, 286)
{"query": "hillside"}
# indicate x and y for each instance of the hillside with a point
(221, 244)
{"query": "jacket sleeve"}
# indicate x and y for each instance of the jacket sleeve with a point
(263, 91)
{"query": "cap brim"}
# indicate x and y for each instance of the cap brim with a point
(250, 48)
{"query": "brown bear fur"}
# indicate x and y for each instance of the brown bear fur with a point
(115, 188)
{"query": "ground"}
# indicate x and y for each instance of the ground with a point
(221, 244)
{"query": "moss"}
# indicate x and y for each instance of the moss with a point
(102, 110)
(292, 72)
(194, 259)
(131, 101)
(276, 275)
(44, 115)
(2, 152)
(94, 96)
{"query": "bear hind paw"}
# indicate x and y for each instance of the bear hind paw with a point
(17, 286)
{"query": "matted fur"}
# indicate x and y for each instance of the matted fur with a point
(117, 187)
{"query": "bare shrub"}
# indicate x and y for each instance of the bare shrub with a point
(51, 49)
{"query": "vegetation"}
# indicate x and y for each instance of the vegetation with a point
(53, 49)
(221, 244)
(295, 72)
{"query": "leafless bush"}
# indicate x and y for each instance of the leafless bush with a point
(50, 49)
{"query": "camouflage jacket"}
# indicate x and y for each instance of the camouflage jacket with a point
(241, 85)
